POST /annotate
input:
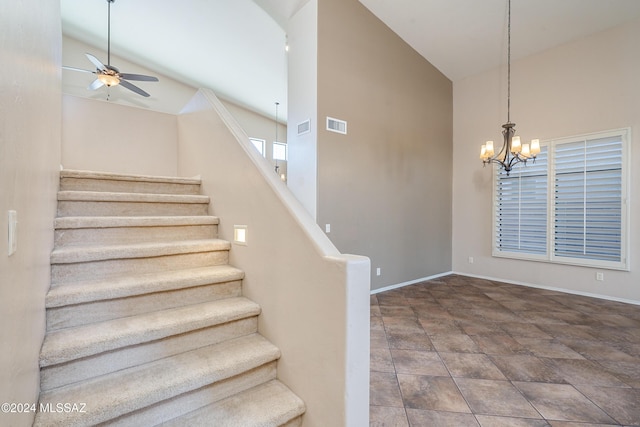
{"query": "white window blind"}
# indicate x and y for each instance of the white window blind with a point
(588, 199)
(569, 206)
(521, 208)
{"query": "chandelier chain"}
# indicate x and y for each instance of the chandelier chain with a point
(509, 65)
(513, 151)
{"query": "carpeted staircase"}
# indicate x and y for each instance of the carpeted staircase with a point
(146, 323)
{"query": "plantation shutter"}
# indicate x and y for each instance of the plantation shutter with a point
(521, 208)
(588, 199)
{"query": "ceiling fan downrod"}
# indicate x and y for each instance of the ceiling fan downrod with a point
(109, 33)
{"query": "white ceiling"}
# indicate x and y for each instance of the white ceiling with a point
(236, 47)
(231, 46)
(465, 37)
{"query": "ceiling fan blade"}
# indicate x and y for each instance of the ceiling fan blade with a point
(64, 67)
(95, 85)
(138, 77)
(133, 88)
(95, 61)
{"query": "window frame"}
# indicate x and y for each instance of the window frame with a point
(286, 151)
(263, 142)
(550, 256)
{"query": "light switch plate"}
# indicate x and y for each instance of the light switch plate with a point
(13, 232)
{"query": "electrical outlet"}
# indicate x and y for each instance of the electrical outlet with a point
(599, 276)
(470, 260)
(378, 271)
(327, 228)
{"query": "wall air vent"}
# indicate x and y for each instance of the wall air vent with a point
(335, 125)
(304, 127)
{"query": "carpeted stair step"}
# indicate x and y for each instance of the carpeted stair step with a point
(269, 404)
(77, 180)
(116, 394)
(79, 263)
(74, 354)
(74, 343)
(98, 203)
(96, 300)
(109, 230)
(172, 408)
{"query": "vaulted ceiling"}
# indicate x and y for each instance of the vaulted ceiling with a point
(236, 47)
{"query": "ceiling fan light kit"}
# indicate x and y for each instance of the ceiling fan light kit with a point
(108, 75)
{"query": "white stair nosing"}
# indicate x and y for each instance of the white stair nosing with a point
(77, 254)
(131, 389)
(108, 196)
(120, 287)
(84, 174)
(78, 222)
(268, 404)
(77, 342)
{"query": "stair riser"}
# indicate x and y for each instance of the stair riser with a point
(81, 314)
(124, 235)
(187, 402)
(95, 208)
(118, 186)
(115, 360)
(66, 273)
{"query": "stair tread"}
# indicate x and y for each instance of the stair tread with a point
(76, 342)
(74, 222)
(109, 196)
(120, 287)
(268, 404)
(74, 254)
(72, 173)
(118, 393)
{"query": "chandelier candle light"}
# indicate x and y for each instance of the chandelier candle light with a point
(513, 151)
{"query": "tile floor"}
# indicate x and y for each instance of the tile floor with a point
(460, 351)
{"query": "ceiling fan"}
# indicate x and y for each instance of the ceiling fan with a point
(107, 74)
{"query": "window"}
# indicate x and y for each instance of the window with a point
(259, 144)
(569, 206)
(279, 151)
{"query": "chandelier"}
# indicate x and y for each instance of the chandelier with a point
(513, 151)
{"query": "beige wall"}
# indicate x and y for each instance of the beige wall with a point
(302, 33)
(585, 86)
(108, 137)
(315, 301)
(385, 187)
(29, 166)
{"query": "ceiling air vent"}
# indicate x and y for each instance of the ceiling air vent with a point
(335, 125)
(304, 127)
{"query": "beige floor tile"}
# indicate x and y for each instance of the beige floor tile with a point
(562, 402)
(620, 403)
(431, 393)
(423, 418)
(451, 351)
(385, 416)
(471, 365)
(417, 362)
(489, 397)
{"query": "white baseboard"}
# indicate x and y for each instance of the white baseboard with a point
(550, 288)
(411, 282)
(511, 282)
